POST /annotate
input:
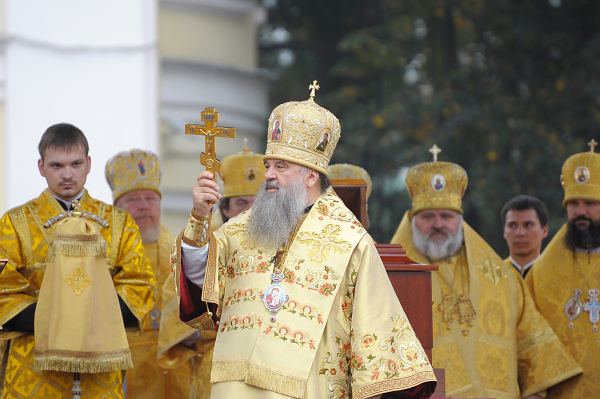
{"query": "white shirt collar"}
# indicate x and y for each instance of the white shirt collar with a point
(588, 251)
(69, 203)
(525, 267)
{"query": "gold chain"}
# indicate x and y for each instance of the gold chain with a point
(454, 303)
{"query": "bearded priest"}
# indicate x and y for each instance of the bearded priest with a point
(565, 280)
(304, 306)
(487, 333)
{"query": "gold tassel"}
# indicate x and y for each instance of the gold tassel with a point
(81, 365)
(258, 377)
(229, 371)
(274, 381)
(77, 248)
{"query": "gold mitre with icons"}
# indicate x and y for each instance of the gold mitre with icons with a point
(242, 173)
(349, 171)
(580, 176)
(303, 132)
(133, 170)
(436, 185)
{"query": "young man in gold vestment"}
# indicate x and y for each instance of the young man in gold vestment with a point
(65, 163)
(304, 306)
(525, 221)
(488, 335)
(565, 281)
(241, 174)
(134, 178)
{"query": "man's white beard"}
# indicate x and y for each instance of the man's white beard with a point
(274, 215)
(150, 234)
(437, 249)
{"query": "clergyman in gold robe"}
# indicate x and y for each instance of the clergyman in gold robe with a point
(565, 281)
(65, 163)
(525, 222)
(305, 307)
(488, 335)
(134, 178)
(241, 175)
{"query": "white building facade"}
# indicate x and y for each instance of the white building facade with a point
(130, 75)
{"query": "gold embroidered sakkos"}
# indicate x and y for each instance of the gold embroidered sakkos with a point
(320, 279)
(24, 241)
(512, 335)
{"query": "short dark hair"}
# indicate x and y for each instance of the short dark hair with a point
(63, 136)
(224, 206)
(524, 202)
(324, 181)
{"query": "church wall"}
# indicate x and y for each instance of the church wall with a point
(209, 58)
(226, 39)
(93, 64)
(3, 206)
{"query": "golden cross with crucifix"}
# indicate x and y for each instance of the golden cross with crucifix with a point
(593, 143)
(209, 158)
(435, 150)
(314, 86)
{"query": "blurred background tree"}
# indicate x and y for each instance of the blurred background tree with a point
(507, 89)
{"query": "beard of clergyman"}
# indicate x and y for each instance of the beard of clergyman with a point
(437, 249)
(150, 234)
(274, 215)
(587, 237)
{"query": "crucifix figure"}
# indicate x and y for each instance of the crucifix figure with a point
(593, 143)
(209, 158)
(593, 307)
(314, 86)
(435, 150)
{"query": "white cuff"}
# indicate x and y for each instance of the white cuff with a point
(193, 262)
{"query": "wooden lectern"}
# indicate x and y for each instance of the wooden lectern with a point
(354, 194)
(411, 280)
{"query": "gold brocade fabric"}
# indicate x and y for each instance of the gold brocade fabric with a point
(552, 280)
(511, 351)
(180, 346)
(24, 242)
(339, 335)
(21, 383)
(216, 221)
(75, 282)
(148, 379)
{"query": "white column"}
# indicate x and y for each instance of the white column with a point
(90, 63)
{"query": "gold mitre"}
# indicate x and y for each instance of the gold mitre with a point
(580, 176)
(436, 185)
(348, 171)
(303, 132)
(133, 170)
(242, 173)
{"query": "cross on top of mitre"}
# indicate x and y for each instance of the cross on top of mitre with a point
(593, 143)
(435, 150)
(314, 86)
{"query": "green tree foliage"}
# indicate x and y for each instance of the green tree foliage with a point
(507, 89)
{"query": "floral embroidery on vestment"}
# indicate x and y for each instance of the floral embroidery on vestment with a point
(247, 295)
(379, 354)
(246, 322)
(285, 333)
